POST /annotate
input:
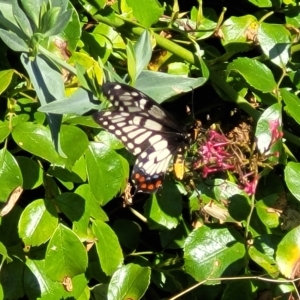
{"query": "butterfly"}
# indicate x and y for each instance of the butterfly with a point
(146, 129)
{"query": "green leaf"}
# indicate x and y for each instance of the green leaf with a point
(10, 174)
(4, 131)
(147, 12)
(292, 104)
(129, 237)
(60, 260)
(94, 208)
(143, 52)
(213, 253)
(72, 205)
(22, 19)
(163, 208)
(275, 42)
(49, 19)
(5, 79)
(262, 252)
(105, 172)
(39, 285)
(268, 129)
(108, 247)
(262, 3)
(60, 23)
(3, 252)
(166, 85)
(31, 172)
(266, 213)
(255, 73)
(288, 253)
(129, 282)
(11, 277)
(37, 222)
(13, 41)
(70, 134)
(32, 9)
(234, 30)
(292, 177)
(36, 139)
(78, 103)
(131, 61)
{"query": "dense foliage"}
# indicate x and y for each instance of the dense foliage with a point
(70, 226)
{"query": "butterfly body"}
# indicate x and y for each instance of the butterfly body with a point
(147, 131)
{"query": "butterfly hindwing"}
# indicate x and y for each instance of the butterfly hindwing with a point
(145, 129)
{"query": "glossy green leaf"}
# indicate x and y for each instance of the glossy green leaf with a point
(60, 260)
(38, 284)
(108, 247)
(213, 253)
(262, 3)
(11, 277)
(274, 40)
(6, 77)
(37, 222)
(288, 253)
(146, 12)
(292, 104)
(292, 177)
(94, 208)
(36, 139)
(3, 252)
(70, 135)
(266, 212)
(268, 129)
(72, 205)
(129, 282)
(10, 174)
(234, 30)
(4, 131)
(255, 73)
(163, 208)
(31, 172)
(105, 172)
(262, 251)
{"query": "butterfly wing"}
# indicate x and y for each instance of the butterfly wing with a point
(145, 129)
(128, 99)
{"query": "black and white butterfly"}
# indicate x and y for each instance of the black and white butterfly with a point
(147, 131)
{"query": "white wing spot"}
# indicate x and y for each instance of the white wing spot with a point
(121, 124)
(133, 134)
(130, 146)
(124, 138)
(118, 132)
(105, 123)
(142, 138)
(129, 128)
(160, 145)
(134, 94)
(111, 127)
(137, 150)
(142, 103)
(154, 139)
(117, 87)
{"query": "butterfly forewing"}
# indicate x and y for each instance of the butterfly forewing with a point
(129, 99)
(145, 129)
